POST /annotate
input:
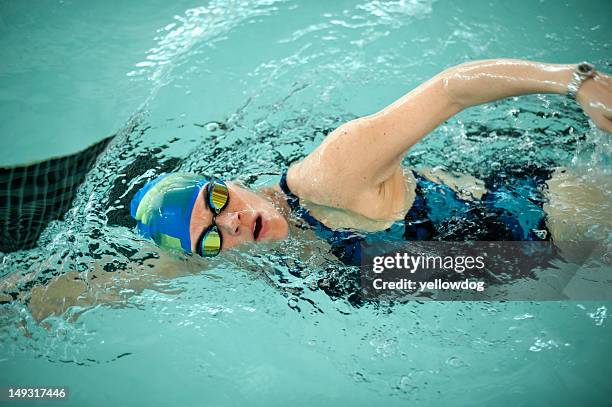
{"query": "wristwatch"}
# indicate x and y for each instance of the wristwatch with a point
(583, 71)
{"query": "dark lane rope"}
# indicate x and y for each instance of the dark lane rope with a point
(33, 195)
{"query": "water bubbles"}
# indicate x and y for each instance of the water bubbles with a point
(599, 315)
(523, 317)
(540, 233)
(543, 344)
(455, 361)
(212, 126)
(293, 303)
(359, 377)
(406, 384)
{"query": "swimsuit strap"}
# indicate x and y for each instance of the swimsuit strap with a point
(294, 203)
(346, 244)
(292, 200)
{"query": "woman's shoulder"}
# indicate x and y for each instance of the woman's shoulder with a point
(387, 201)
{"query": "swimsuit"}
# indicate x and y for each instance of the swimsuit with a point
(512, 209)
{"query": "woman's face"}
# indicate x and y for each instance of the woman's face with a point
(247, 217)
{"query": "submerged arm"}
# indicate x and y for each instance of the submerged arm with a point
(98, 286)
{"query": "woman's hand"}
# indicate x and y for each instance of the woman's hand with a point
(595, 97)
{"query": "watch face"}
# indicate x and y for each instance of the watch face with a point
(585, 68)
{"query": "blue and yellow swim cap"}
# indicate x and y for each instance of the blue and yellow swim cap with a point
(163, 209)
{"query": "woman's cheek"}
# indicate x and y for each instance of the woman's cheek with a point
(228, 242)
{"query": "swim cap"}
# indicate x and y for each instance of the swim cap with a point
(163, 208)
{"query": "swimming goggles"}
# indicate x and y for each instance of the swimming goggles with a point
(216, 197)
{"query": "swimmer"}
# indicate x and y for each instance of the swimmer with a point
(352, 187)
(354, 178)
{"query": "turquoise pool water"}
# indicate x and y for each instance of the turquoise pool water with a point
(242, 88)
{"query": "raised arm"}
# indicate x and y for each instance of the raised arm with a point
(365, 153)
(484, 81)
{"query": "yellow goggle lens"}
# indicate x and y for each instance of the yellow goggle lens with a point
(218, 196)
(211, 243)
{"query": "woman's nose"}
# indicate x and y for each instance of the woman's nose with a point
(229, 223)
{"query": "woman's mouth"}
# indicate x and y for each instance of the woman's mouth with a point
(257, 228)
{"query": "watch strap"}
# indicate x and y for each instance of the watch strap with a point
(583, 71)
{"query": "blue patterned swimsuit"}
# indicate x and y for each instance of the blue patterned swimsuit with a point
(511, 209)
